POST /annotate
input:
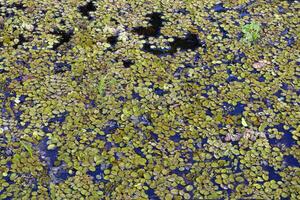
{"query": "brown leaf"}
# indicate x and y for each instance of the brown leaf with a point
(260, 64)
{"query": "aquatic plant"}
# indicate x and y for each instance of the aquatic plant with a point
(101, 85)
(28, 147)
(149, 99)
(251, 32)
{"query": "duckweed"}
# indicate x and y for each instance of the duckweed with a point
(156, 99)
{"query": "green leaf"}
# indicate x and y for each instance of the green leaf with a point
(262, 126)
(51, 146)
(244, 123)
(27, 146)
(251, 32)
(101, 86)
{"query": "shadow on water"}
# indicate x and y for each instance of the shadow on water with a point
(86, 9)
(18, 6)
(127, 63)
(8, 8)
(64, 37)
(112, 40)
(190, 42)
(154, 29)
(21, 39)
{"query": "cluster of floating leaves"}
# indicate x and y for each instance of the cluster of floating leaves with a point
(134, 99)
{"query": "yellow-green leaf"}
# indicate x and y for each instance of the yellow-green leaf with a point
(244, 123)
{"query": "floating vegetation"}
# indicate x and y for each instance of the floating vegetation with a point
(101, 85)
(244, 123)
(154, 29)
(27, 146)
(63, 38)
(157, 99)
(251, 32)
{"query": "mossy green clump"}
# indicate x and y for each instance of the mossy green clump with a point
(251, 32)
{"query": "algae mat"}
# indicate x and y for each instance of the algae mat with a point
(149, 99)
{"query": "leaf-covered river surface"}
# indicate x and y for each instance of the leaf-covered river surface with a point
(149, 99)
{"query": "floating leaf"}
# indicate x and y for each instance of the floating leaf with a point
(260, 64)
(51, 146)
(27, 146)
(263, 126)
(244, 123)
(101, 86)
(251, 32)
